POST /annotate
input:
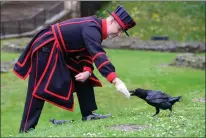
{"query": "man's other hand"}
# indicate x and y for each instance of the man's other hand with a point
(83, 76)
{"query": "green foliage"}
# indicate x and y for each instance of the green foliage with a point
(137, 69)
(180, 20)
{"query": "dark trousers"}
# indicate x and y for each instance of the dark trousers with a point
(33, 106)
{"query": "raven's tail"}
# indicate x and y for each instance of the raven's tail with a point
(175, 99)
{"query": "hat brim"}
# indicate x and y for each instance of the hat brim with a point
(119, 23)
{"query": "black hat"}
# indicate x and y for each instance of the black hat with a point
(123, 18)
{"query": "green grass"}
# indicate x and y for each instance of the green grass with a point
(200, 54)
(137, 69)
(180, 20)
(7, 56)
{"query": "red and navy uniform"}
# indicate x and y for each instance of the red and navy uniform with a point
(55, 55)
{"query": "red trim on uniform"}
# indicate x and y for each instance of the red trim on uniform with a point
(101, 65)
(119, 21)
(62, 40)
(104, 29)
(111, 76)
(49, 79)
(25, 59)
(43, 44)
(33, 93)
(73, 69)
(58, 46)
(77, 62)
(32, 96)
(86, 61)
(98, 54)
(74, 61)
(46, 68)
(60, 35)
(36, 67)
(56, 39)
(85, 68)
(91, 78)
(70, 109)
(59, 96)
(63, 24)
(79, 50)
(24, 77)
(17, 74)
(28, 114)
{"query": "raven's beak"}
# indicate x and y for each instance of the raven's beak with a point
(131, 92)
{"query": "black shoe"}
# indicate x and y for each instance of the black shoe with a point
(95, 116)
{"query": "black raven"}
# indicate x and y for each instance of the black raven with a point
(157, 99)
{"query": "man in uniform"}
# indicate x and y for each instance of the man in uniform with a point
(59, 61)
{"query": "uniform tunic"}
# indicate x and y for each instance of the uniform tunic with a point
(73, 46)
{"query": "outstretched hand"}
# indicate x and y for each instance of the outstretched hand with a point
(121, 87)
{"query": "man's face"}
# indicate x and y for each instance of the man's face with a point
(114, 29)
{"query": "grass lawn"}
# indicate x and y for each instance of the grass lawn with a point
(7, 56)
(137, 69)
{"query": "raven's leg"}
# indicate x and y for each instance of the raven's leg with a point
(157, 112)
(170, 112)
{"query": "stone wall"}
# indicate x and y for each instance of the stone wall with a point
(164, 46)
(13, 47)
(189, 60)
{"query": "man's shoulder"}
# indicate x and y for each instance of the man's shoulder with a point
(93, 26)
(92, 21)
(93, 29)
(89, 20)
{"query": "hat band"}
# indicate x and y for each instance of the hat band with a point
(119, 21)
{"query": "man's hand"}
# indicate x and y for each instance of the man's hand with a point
(120, 86)
(83, 76)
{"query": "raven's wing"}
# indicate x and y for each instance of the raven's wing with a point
(157, 94)
(157, 97)
(157, 100)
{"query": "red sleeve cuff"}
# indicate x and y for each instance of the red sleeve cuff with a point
(111, 76)
(85, 68)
